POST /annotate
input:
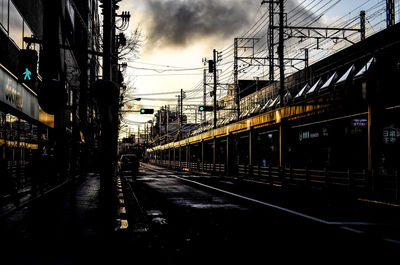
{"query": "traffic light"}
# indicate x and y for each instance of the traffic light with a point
(206, 108)
(210, 66)
(27, 67)
(146, 111)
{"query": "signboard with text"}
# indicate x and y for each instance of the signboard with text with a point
(17, 96)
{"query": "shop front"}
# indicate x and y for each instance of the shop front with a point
(23, 138)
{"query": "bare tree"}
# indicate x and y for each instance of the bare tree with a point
(130, 51)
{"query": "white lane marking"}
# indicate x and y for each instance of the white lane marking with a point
(351, 229)
(274, 206)
(392, 241)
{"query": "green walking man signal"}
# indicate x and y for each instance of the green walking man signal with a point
(27, 74)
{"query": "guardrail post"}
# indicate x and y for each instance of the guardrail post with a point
(371, 183)
(284, 181)
(397, 184)
(307, 178)
(250, 173)
(326, 178)
(271, 181)
(350, 179)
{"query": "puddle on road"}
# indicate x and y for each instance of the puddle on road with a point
(153, 213)
(188, 196)
(205, 204)
(159, 221)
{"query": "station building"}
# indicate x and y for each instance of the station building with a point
(339, 115)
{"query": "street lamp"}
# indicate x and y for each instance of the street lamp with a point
(131, 99)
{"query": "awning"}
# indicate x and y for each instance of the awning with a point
(244, 113)
(346, 75)
(365, 68)
(287, 97)
(275, 102)
(256, 109)
(266, 105)
(302, 91)
(315, 87)
(329, 82)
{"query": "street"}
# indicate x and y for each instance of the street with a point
(205, 220)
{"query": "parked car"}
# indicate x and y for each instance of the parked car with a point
(129, 164)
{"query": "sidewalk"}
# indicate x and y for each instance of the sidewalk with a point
(62, 227)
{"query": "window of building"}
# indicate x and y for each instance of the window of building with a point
(27, 33)
(13, 23)
(4, 14)
(2, 129)
(16, 26)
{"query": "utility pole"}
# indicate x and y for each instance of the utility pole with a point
(167, 122)
(107, 38)
(138, 134)
(235, 76)
(215, 87)
(159, 123)
(362, 24)
(108, 103)
(271, 41)
(281, 53)
(282, 130)
(195, 116)
(270, 38)
(181, 114)
(390, 13)
(204, 94)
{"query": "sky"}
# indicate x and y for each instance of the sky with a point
(178, 34)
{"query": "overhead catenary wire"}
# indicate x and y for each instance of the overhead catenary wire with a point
(307, 12)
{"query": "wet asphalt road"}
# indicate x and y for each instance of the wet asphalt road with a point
(208, 220)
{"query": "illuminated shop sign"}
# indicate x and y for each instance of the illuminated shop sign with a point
(359, 122)
(17, 96)
(305, 135)
(391, 135)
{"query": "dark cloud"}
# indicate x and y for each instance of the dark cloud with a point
(181, 22)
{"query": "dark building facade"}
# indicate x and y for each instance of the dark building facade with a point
(52, 118)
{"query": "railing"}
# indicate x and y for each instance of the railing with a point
(358, 183)
(220, 168)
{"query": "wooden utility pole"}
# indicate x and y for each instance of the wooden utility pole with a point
(204, 94)
(109, 131)
(215, 87)
(281, 53)
(181, 114)
(281, 84)
(107, 38)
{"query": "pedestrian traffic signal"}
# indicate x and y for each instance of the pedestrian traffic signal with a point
(27, 67)
(146, 111)
(206, 108)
